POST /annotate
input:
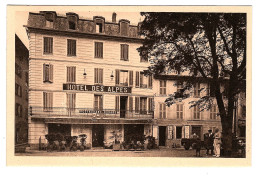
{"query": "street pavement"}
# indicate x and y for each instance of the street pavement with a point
(163, 152)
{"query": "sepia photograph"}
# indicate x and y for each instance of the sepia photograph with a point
(131, 83)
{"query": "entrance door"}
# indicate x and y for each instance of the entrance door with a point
(162, 135)
(123, 105)
(64, 129)
(97, 135)
(197, 130)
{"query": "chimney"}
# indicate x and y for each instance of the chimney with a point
(114, 17)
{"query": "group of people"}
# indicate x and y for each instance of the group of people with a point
(212, 142)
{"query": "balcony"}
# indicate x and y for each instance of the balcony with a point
(89, 113)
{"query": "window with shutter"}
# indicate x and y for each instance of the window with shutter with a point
(47, 101)
(179, 111)
(98, 102)
(98, 50)
(124, 52)
(71, 102)
(48, 45)
(98, 75)
(71, 47)
(123, 78)
(137, 80)
(48, 73)
(131, 78)
(137, 104)
(143, 80)
(130, 104)
(162, 111)
(143, 105)
(163, 87)
(196, 113)
(71, 74)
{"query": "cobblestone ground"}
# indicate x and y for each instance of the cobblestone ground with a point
(177, 152)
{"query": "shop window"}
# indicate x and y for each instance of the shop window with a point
(48, 73)
(98, 75)
(47, 101)
(124, 52)
(178, 132)
(98, 102)
(162, 111)
(71, 47)
(71, 74)
(213, 112)
(71, 102)
(196, 112)
(179, 111)
(98, 50)
(48, 45)
(163, 87)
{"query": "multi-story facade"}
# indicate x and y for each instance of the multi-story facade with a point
(21, 91)
(180, 120)
(86, 76)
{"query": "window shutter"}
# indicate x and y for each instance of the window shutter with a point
(126, 52)
(130, 104)
(137, 104)
(117, 77)
(100, 76)
(130, 78)
(137, 81)
(101, 102)
(95, 75)
(117, 103)
(44, 72)
(122, 52)
(150, 81)
(51, 73)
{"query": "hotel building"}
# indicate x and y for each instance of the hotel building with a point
(86, 77)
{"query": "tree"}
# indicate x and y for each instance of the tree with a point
(202, 45)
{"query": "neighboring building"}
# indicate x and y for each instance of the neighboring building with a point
(179, 120)
(21, 91)
(86, 76)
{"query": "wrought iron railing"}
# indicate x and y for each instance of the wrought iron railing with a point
(89, 113)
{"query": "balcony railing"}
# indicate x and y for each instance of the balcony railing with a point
(89, 113)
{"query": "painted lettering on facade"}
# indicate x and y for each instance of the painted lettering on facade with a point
(97, 88)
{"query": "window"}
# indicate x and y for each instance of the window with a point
(179, 86)
(72, 22)
(18, 70)
(196, 113)
(143, 80)
(26, 95)
(98, 102)
(137, 104)
(71, 74)
(49, 20)
(47, 73)
(26, 78)
(18, 90)
(144, 56)
(71, 102)
(48, 45)
(72, 25)
(124, 52)
(150, 81)
(196, 87)
(123, 78)
(47, 101)
(150, 105)
(179, 111)
(124, 28)
(137, 79)
(178, 132)
(162, 111)
(98, 75)
(18, 110)
(98, 50)
(98, 27)
(71, 47)
(143, 105)
(163, 87)
(213, 112)
(131, 104)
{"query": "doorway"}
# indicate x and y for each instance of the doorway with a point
(97, 135)
(162, 135)
(133, 132)
(123, 105)
(197, 130)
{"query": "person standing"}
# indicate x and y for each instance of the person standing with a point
(208, 141)
(217, 142)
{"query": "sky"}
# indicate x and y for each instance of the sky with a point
(22, 17)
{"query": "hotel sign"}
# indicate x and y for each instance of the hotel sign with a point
(97, 88)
